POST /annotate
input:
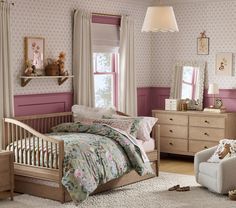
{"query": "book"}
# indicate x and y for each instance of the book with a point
(215, 110)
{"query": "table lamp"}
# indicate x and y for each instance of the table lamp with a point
(213, 90)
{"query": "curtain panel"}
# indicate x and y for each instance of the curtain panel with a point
(83, 82)
(6, 86)
(127, 75)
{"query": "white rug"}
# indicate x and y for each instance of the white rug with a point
(147, 194)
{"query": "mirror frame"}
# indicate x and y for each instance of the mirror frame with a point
(202, 66)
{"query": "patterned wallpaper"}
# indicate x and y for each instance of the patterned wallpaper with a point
(52, 19)
(217, 17)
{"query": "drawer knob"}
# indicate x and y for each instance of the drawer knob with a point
(171, 131)
(206, 121)
(205, 147)
(206, 134)
(171, 143)
(171, 119)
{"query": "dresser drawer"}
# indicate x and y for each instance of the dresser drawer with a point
(173, 119)
(172, 145)
(196, 146)
(174, 131)
(206, 121)
(209, 134)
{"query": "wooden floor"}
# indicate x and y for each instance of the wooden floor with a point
(177, 164)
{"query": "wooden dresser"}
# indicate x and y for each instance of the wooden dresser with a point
(189, 132)
(6, 174)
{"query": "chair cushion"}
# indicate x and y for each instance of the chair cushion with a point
(209, 169)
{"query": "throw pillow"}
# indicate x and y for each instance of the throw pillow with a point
(225, 149)
(86, 114)
(124, 125)
(144, 126)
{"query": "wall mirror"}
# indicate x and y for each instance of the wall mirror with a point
(188, 83)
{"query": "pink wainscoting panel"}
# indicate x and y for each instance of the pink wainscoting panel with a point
(42, 103)
(228, 97)
(158, 95)
(144, 99)
(150, 98)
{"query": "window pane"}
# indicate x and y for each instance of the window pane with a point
(188, 74)
(102, 62)
(103, 86)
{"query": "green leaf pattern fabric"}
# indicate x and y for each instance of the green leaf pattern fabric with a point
(95, 156)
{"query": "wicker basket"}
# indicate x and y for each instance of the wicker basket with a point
(52, 70)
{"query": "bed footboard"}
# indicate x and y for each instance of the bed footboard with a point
(36, 155)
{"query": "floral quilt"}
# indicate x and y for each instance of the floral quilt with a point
(95, 156)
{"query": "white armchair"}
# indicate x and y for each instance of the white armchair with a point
(217, 177)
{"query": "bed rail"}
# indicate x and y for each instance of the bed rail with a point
(32, 148)
(44, 123)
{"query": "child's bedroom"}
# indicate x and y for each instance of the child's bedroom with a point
(117, 103)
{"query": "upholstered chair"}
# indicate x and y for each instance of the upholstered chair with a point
(217, 177)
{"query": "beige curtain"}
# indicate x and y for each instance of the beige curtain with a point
(83, 59)
(127, 74)
(6, 90)
(176, 88)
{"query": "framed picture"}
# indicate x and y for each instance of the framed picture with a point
(202, 46)
(224, 62)
(34, 52)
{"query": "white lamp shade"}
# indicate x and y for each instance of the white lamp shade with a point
(213, 89)
(160, 19)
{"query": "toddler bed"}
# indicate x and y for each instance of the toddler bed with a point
(40, 172)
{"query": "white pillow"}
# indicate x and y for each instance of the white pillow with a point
(226, 149)
(81, 112)
(145, 128)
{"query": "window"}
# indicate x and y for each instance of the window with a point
(106, 38)
(105, 78)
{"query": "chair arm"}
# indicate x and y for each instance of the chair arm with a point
(202, 156)
(226, 175)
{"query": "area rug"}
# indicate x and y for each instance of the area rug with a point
(152, 193)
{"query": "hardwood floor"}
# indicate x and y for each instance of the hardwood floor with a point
(177, 164)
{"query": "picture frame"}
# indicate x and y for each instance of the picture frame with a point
(203, 46)
(35, 52)
(224, 64)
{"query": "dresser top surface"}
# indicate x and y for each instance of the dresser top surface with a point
(202, 113)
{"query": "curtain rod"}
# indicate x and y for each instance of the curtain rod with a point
(12, 3)
(106, 15)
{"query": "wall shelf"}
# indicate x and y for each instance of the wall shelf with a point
(61, 79)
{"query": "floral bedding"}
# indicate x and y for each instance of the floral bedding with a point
(95, 156)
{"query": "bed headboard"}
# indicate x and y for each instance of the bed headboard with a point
(44, 123)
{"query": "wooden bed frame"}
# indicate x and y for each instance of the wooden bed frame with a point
(44, 180)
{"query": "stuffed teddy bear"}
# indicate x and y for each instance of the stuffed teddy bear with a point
(29, 69)
(61, 64)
